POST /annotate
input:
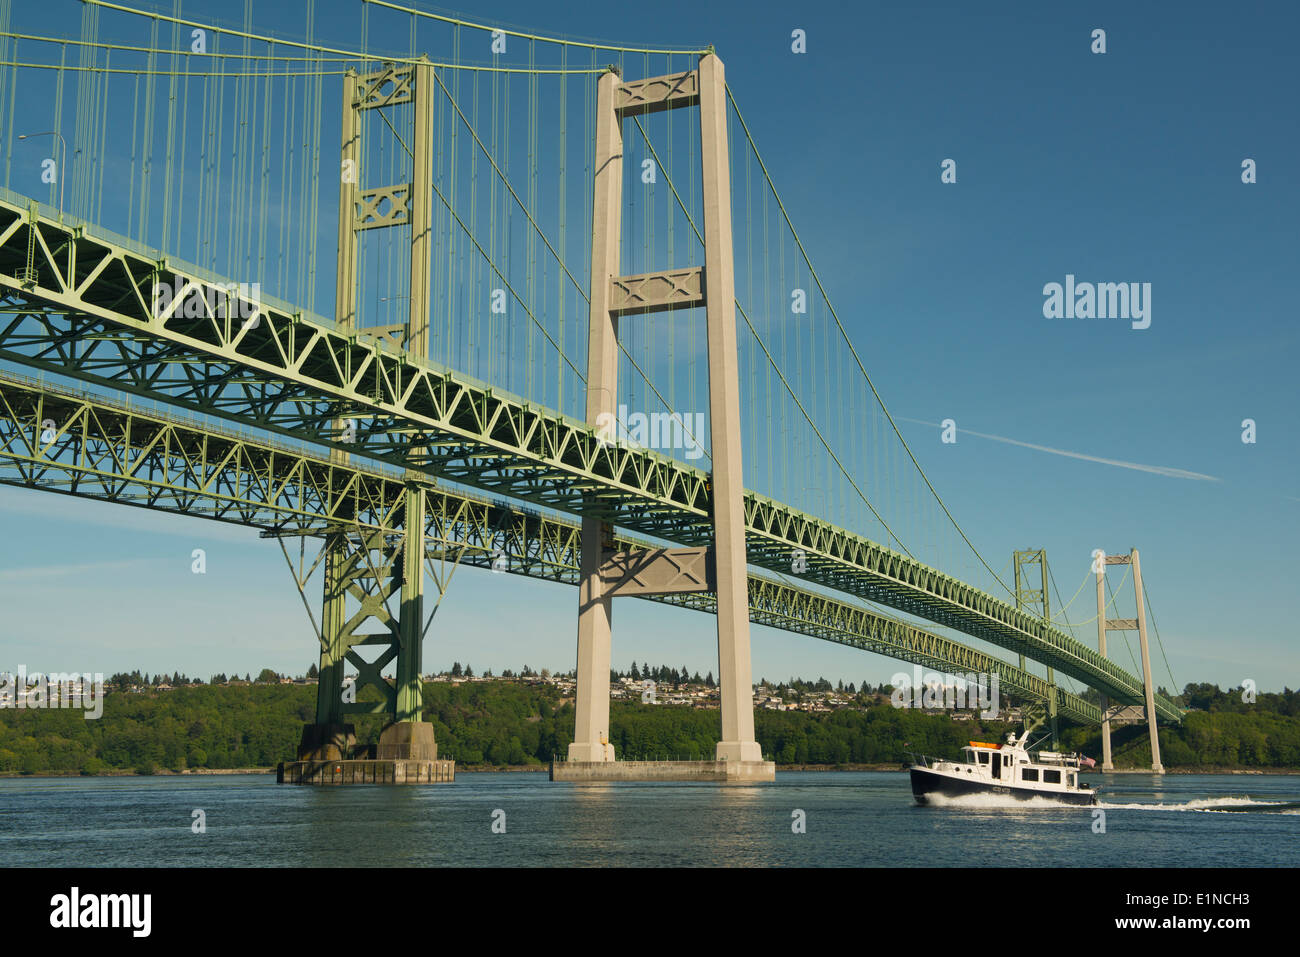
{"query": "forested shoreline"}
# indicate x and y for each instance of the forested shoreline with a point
(500, 723)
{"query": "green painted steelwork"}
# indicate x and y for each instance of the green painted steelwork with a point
(88, 314)
(1036, 600)
(132, 456)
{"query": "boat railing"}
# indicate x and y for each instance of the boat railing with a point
(926, 761)
(1053, 757)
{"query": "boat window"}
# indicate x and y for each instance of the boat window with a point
(1051, 777)
(984, 757)
(1074, 780)
(1029, 774)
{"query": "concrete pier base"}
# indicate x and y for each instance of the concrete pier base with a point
(407, 740)
(329, 754)
(327, 742)
(591, 753)
(721, 772)
(365, 771)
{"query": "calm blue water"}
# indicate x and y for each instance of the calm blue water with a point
(853, 819)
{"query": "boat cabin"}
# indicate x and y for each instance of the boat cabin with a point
(1012, 765)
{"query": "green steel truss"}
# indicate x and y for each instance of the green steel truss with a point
(98, 449)
(139, 457)
(84, 309)
(374, 600)
(1037, 601)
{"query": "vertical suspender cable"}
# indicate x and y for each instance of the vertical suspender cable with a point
(102, 152)
(134, 165)
(146, 188)
(58, 122)
(670, 218)
(169, 174)
(533, 161)
(13, 97)
(181, 205)
(314, 196)
(8, 53)
(267, 109)
(563, 198)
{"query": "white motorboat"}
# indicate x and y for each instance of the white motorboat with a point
(1005, 769)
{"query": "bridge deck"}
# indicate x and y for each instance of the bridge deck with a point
(137, 456)
(87, 313)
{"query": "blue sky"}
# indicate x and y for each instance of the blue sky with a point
(1122, 167)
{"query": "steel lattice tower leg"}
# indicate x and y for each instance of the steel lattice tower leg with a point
(383, 575)
(1036, 600)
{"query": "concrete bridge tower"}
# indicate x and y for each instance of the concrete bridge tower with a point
(722, 567)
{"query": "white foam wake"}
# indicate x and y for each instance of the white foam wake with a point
(1200, 804)
(990, 801)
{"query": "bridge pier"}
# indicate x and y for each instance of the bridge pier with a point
(595, 624)
(721, 568)
(364, 573)
(374, 568)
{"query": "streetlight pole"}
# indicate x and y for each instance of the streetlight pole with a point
(63, 154)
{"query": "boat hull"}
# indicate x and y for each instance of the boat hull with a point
(927, 785)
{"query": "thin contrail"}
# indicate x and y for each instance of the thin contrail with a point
(1136, 466)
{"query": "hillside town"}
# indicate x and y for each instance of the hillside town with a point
(649, 685)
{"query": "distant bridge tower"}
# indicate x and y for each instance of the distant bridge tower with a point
(1035, 601)
(1104, 625)
(721, 567)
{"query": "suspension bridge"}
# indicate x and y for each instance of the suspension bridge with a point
(466, 398)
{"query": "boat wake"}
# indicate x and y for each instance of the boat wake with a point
(990, 801)
(1217, 805)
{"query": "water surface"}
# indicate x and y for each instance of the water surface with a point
(851, 819)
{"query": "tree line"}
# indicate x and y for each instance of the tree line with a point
(498, 723)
